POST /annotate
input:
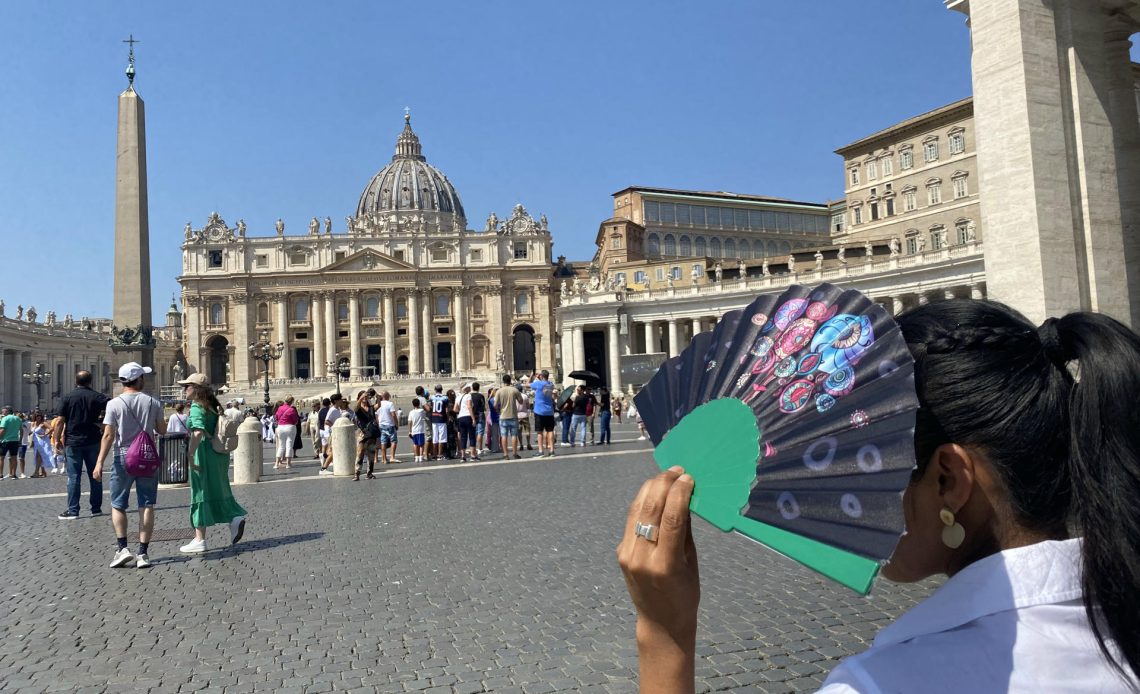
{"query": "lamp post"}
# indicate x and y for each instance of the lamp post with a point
(265, 351)
(38, 378)
(338, 369)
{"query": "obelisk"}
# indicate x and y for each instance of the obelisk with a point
(132, 332)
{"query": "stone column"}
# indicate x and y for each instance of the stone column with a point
(415, 350)
(390, 331)
(976, 292)
(317, 356)
(579, 347)
(460, 309)
(285, 363)
(896, 305)
(355, 357)
(1123, 104)
(613, 356)
(696, 327)
(331, 323)
(1049, 157)
(567, 341)
(429, 332)
(923, 299)
(948, 294)
(241, 372)
(5, 380)
(191, 307)
(674, 342)
(651, 344)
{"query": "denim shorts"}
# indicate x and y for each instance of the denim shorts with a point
(387, 434)
(509, 428)
(145, 487)
(479, 427)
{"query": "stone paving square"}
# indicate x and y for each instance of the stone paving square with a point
(432, 578)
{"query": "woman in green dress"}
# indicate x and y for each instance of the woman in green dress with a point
(211, 501)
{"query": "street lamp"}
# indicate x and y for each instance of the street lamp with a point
(38, 378)
(338, 369)
(265, 352)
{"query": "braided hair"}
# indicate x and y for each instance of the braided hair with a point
(1053, 410)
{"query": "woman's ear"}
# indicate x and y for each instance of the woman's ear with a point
(955, 467)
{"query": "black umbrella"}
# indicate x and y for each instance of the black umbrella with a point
(592, 379)
(567, 392)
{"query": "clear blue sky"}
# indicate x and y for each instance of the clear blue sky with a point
(286, 109)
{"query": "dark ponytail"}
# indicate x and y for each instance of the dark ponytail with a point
(1054, 411)
(1104, 467)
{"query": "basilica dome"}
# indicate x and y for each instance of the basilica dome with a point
(409, 184)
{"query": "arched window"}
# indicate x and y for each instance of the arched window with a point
(654, 245)
(401, 309)
(371, 307)
(745, 248)
(301, 310)
(522, 304)
(729, 248)
(263, 313)
(477, 305)
(216, 314)
(700, 248)
(714, 248)
(342, 310)
(686, 246)
(442, 304)
(670, 246)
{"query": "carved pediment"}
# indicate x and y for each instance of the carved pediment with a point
(522, 224)
(368, 259)
(216, 231)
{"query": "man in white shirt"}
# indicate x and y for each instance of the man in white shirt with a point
(232, 413)
(337, 410)
(127, 416)
(386, 418)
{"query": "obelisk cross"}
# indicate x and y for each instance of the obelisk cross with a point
(131, 40)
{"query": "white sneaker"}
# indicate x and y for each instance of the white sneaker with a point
(237, 528)
(122, 558)
(326, 471)
(193, 547)
(142, 561)
(640, 438)
(23, 476)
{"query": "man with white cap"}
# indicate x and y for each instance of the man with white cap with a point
(127, 416)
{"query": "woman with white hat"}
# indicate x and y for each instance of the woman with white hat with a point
(211, 501)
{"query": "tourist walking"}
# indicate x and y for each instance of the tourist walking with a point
(604, 407)
(211, 501)
(544, 413)
(288, 421)
(368, 435)
(617, 408)
(40, 439)
(22, 451)
(132, 414)
(80, 414)
(10, 428)
(509, 402)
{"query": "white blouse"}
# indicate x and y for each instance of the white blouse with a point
(1012, 622)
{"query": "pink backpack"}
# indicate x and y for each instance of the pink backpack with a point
(142, 459)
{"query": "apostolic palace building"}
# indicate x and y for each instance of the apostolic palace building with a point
(404, 288)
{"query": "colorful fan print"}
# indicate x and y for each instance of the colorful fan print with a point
(795, 417)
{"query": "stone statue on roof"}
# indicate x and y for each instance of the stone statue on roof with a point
(492, 222)
(314, 226)
(328, 226)
(280, 227)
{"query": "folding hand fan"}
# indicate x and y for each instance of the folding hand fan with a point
(795, 417)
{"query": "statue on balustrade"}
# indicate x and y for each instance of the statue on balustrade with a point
(818, 259)
(841, 255)
(764, 268)
(791, 263)
(718, 271)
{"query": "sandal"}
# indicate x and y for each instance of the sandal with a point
(371, 476)
(356, 477)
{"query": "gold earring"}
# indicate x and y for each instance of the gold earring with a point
(953, 534)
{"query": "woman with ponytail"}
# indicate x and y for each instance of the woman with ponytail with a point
(1026, 494)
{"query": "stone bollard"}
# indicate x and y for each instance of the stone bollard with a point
(344, 447)
(247, 457)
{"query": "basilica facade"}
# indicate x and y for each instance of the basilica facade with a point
(404, 288)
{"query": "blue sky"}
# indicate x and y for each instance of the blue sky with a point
(286, 109)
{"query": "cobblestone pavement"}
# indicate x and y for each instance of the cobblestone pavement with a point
(494, 578)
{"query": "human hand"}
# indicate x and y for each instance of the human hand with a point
(97, 471)
(662, 576)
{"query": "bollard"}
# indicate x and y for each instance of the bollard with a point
(247, 457)
(344, 447)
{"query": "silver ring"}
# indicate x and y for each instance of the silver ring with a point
(646, 530)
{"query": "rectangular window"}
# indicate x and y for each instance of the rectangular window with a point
(936, 239)
(652, 212)
(888, 166)
(615, 242)
(755, 220)
(682, 214)
(697, 215)
(890, 207)
(930, 150)
(933, 194)
(675, 272)
(837, 222)
(660, 274)
(401, 309)
(639, 277)
(401, 331)
(912, 244)
(906, 159)
(783, 221)
(872, 171)
(439, 254)
(520, 250)
(398, 255)
(444, 330)
(261, 260)
(342, 333)
(909, 201)
(963, 229)
(340, 255)
(769, 221)
(297, 259)
(698, 270)
(668, 213)
(874, 211)
(741, 217)
(857, 215)
(854, 176)
(215, 258)
(621, 279)
(476, 255)
(960, 190)
(957, 143)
